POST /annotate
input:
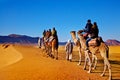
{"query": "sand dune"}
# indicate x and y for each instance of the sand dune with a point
(36, 65)
(8, 55)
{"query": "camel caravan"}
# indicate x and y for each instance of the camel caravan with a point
(88, 43)
(50, 43)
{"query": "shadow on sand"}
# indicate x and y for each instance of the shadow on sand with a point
(115, 62)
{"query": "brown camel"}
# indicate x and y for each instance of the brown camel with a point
(102, 49)
(55, 48)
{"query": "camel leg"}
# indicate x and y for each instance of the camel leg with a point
(49, 51)
(110, 75)
(107, 64)
(56, 54)
(87, 57)
(79, 56)
(94, 57)
(85, 61)
(53, 53)
(89, 62)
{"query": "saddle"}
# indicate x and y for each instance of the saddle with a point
(95, 42)
(51, 38)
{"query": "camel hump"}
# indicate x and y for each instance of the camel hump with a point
(100, 39)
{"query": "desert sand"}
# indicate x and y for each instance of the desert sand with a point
(27, 62)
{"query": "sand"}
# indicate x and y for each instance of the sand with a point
(30, 63)
(8, 55)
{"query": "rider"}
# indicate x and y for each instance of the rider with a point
(93, 33)
(87, 31)
(94, 30)
(44, 32)
(54, 32)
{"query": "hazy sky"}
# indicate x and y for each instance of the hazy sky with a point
(31, 17)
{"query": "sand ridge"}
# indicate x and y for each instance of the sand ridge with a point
(8, 55)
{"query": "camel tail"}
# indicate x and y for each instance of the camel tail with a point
(107, 53)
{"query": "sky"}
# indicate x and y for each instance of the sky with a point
(31, 17)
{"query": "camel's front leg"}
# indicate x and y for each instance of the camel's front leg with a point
(87, 57)
(85, 62)
(94, 58)
(89, 63)
(80, 54)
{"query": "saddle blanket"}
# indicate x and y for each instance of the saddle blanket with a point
(93, 42)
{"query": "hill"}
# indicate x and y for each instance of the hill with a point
(15, 38)
(112, 42)
(23, 39)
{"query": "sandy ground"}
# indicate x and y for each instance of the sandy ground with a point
(9, 55)
(30, 63)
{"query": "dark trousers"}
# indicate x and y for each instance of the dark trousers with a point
(88, 39)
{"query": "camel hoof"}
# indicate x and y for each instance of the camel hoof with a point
(110, 78)
(102, 75)
(79, 64)
(84, 68)
(93, 68)
(56, 58)
(88, 72)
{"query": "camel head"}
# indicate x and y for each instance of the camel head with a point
(73, 34)
(80, 32)
(80, 35)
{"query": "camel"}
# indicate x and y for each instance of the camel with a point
(77, 43)
(55, 47)
(102, 49)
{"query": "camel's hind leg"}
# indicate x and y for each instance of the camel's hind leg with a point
(104, 51)
(107, 64)
(56, 54)
(52, 52)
